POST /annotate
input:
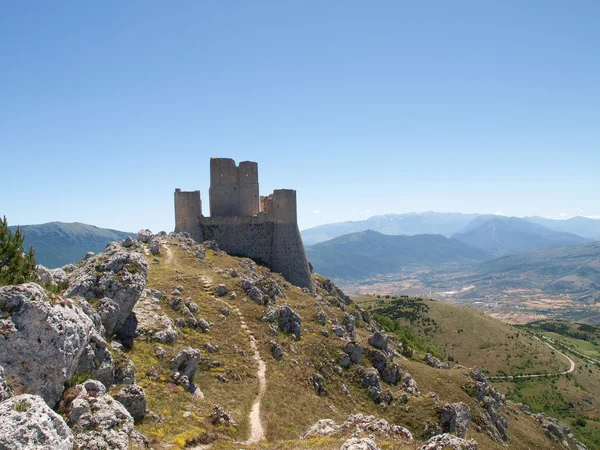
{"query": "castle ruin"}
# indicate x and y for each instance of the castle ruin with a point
(264, 228)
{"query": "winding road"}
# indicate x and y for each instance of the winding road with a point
(540, 375)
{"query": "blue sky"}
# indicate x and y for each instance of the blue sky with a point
(363, 107)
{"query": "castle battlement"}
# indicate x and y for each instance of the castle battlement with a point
(264, 228)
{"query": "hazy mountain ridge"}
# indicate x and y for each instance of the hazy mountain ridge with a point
(506, 235)
(432, 222)
(367, 253)
(59, 243)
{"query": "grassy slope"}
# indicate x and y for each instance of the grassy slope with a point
(475, 339)
(290, 404)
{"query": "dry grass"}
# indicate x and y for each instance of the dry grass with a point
(290, 404)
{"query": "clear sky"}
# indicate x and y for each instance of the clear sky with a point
(363, 107)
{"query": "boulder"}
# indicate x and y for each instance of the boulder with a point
(289, 321)
(355, 443)
(322, 317)
(344, 360)
(318, 383)
(354, 351)
(360, 423)
(155, 247)
(435, 362)
(133, 398)
(97, 420)
(185, 363)
(379, 340)
(42, 340)
(246, 284)
(115, 276)
(144, 236)
(338, 330)
(219, 416)
(255, 295)
(27, 422)
(410, 385)
(324, 427)
(388, 370)
(221, 290)
(449, 442)
(6, 391)
(276, 350)
(456, 418)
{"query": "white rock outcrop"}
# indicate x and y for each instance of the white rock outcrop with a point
(42, 338)
(97, 420)
(117, 278)
(27, 422)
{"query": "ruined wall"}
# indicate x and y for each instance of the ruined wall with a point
(233, 189)
(188, 212)
(277, 245)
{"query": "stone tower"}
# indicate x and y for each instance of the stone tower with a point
(244, 224)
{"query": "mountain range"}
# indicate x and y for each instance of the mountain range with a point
(368, 253)
(501, 235)
(431, 222)
(58, 243)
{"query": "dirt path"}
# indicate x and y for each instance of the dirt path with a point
(169, 253)
(539, 375)
(257, 431)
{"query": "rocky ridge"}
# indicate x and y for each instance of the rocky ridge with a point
(147, 343)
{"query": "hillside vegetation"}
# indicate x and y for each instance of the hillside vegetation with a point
(467, 337)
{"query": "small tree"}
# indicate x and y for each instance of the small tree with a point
(16, 267)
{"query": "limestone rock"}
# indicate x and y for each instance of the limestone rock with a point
(52, 277)
(210, 348)
(255, 295)
(246, 284)
(128, 330)
(97, 361)
(5, 390)
(379, 340)
(124, 371)
(388, 370)
(456, 418)
(493, 402)
(221, 417)
(144, 236)
(186, 363)
(410, 385)
(324, 427)
(289, 321)
(435, 362)
(28, 423)
(360, 423)
(49, 333)
(152, 322)
(133, 398)
(115, 276)
(221, 290)
(558, 431)
(354, 351)
(155, 247)
(449, 442)
(355, 443)
(97, 420)
(318, 383)
(338, 330)
(322, 317)
(276, 350)
(344, 360)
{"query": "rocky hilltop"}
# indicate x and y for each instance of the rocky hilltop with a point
(160, 342)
